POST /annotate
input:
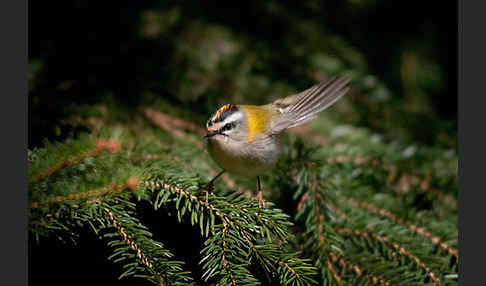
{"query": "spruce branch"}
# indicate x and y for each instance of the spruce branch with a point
(134, 246)
(388, 241)
(348, 231)
(332, 268)
(357, 269)
(68, 154)
(372, 236)
(141, 256)
(240, 235)
(111, 190)
(223, 257)
(253, 232)
(403, 182)
(411, 226)
(311, 207)
(231, 184)
(388, 159)
(313, 213)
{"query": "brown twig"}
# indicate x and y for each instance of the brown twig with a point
(289, 268)
(357, 269)
(330, 265)
(114, 188)
(225, 262)
(110, 145)
(317, 210)
(180, 123)
(318, 217)
(174, 125)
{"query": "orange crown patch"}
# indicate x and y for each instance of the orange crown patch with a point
(222, 110)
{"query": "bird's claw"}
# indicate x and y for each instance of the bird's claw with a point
(209, 187)
(261, 201)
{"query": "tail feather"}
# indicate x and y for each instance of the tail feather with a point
(311, 96)
(303, 107)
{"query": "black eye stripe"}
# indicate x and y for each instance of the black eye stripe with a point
(228, 126)
(222, 116)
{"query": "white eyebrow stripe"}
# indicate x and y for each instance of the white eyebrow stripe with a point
(233, 117)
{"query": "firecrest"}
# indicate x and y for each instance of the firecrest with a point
(245, 139)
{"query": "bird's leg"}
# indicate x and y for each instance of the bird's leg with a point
(209, 186)
(261, 202)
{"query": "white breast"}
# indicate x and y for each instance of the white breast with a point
(244, 158)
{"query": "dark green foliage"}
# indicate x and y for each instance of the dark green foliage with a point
(238, 230)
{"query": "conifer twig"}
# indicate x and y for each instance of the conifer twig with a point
(225, 261)
(405, 181)
(412, 227)
(111, 145)
(357, 269)
(396, 246)
(386, 240)
(288, 267)
(173, 125)
(133, 245)
(114, 188)
(226, 220)
(333, 271)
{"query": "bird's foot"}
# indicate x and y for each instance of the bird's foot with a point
(261, 202)
(208, 189)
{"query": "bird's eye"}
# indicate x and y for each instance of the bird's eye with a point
(228, 126)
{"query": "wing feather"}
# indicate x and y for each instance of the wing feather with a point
(301, 108)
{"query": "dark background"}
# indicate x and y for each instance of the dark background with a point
(83, 52)
(97, 49)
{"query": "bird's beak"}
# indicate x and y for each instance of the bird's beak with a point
(211, 133)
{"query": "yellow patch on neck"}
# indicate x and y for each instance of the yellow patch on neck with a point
(256, 120)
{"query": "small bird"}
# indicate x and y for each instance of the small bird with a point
(245, 139)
